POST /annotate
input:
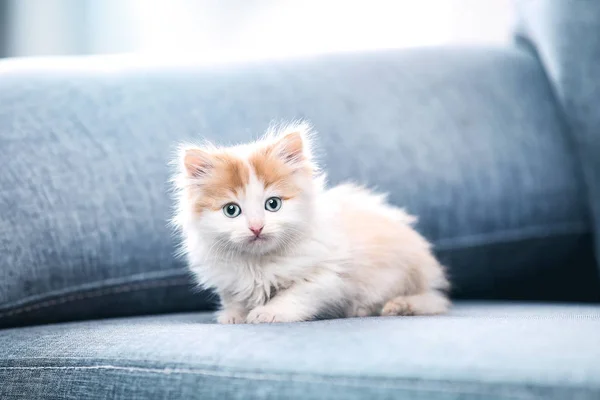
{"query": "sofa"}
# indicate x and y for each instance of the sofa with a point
(496, 149)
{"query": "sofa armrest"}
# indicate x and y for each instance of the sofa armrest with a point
(565, 36)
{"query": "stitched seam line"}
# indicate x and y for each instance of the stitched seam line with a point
(532, 232)
(110, 282)
(389, 383)
(96, 293)
(443, 244)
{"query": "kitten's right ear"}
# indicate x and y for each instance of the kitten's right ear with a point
(294, 143)
(196, 162)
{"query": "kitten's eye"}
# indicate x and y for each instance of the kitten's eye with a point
(273, 204)
(231, 210)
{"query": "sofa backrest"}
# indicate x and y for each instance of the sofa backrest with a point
(468, 139)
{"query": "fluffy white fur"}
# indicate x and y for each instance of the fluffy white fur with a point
(339, 252)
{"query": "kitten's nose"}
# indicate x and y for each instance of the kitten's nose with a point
(257, 229)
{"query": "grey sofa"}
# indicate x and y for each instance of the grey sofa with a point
(496, 149)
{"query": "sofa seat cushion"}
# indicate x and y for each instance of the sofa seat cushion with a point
(478, 351)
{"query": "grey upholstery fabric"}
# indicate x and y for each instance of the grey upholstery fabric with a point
(470, 140)
(479, 351)
(565, 36)
(4, 31)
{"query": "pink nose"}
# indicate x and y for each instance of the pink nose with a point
(256, 230)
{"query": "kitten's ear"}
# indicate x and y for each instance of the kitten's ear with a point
(294, 144)
(196, 162)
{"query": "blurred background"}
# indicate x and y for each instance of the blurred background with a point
(231, 29)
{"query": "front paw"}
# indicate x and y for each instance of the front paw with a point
(265, 314)
(231, 317)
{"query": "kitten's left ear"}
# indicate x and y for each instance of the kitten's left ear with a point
(196, 162)
(294, 144)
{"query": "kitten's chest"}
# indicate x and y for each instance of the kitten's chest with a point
(256, 283)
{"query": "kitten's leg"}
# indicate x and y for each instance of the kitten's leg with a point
(291, 305)
(232, 312)
(300, 302)
(428, 303)
(362, 311)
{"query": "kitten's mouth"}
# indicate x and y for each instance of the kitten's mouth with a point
(257, 239)
(258, 245)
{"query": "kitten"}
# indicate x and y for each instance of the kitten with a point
(260, 228)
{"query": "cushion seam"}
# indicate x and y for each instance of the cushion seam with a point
(511, 235)
(77, 296)
(388, 382)
(440, 245)
(99, 284)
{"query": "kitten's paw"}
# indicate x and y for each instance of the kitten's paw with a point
(231, 317)
(397, 306)
(428, 303)
(266, 315)
(362, 312)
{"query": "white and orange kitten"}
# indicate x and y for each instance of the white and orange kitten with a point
(261, 229)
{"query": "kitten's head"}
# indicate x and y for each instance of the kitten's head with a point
(255, 198)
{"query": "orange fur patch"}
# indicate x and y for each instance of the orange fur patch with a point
(272, 171)
(227, 176)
